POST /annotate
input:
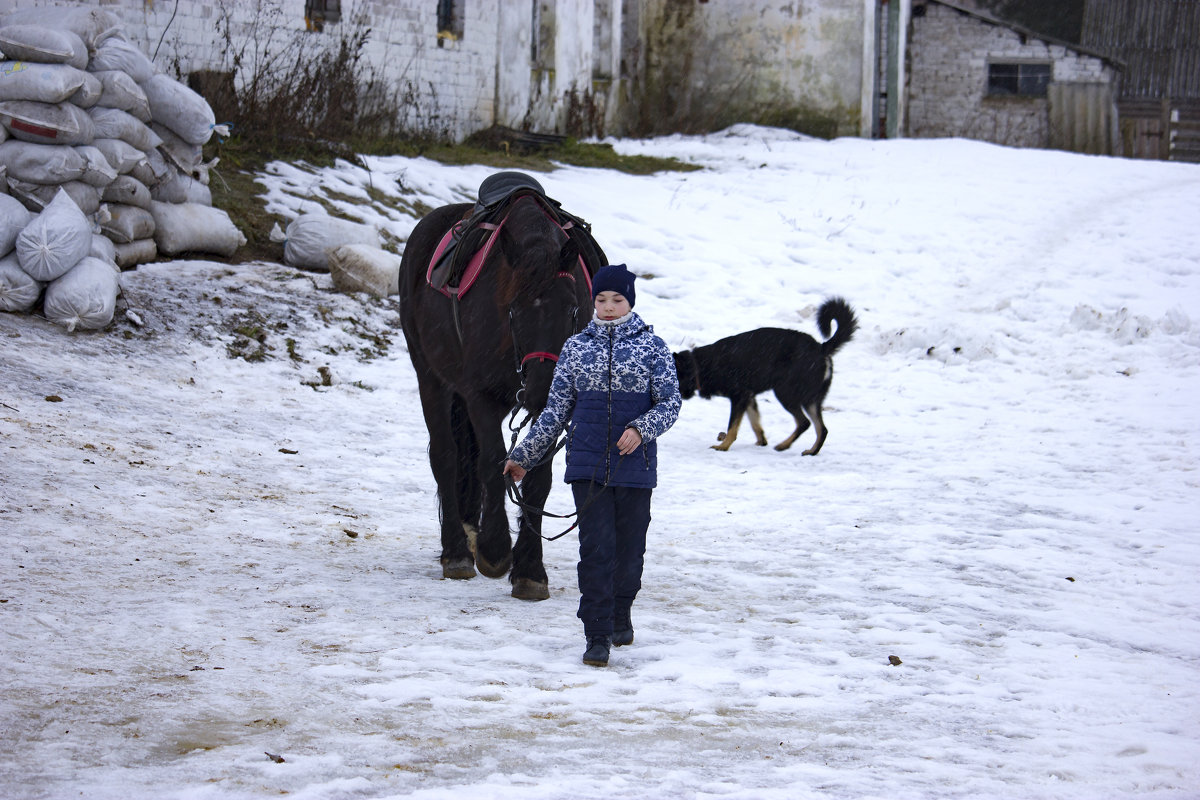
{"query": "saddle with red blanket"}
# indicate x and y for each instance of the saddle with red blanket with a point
(464, 249)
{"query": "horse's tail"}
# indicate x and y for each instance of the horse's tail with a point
(466, 447)
(836, 310)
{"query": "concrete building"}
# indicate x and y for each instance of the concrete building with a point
(583, 67)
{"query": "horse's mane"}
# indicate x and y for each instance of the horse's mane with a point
(537, 242)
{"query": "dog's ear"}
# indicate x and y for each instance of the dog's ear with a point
(685, 368)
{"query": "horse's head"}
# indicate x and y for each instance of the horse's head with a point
(545, 297)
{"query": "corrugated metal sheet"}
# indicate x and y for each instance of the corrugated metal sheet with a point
(1158, 40)
(1081, 117)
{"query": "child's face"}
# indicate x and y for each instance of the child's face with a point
(611, 305)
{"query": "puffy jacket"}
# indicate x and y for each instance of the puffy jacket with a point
(608, 378)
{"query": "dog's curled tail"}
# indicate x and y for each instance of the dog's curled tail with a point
(835, 309)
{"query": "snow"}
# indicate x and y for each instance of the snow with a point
(209, 558)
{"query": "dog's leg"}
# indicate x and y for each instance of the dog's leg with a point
(756, 423)
(737, 409)
(802, 424)
(814, 410)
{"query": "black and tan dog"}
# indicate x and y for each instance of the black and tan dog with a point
(795, 365)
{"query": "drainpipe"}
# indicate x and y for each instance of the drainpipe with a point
(899, 15)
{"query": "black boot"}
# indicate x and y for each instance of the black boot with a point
(596, 654)
(622, 628)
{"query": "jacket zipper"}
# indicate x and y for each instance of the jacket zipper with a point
(608, 450)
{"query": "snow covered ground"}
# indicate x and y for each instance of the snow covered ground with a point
(219, 537)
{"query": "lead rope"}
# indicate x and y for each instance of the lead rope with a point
(514, 492)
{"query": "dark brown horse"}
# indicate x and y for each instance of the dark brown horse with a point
(480, 349)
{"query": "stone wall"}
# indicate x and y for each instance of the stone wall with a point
(949, 54)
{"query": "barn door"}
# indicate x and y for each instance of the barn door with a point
(1081, 117)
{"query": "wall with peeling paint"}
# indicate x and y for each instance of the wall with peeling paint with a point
(595, 67)
(699, 65)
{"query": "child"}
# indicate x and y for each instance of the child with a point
(615, 383)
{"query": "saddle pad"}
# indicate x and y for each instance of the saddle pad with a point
(474, 266)
(438, 274)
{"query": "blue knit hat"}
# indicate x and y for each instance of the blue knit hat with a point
(614, 278)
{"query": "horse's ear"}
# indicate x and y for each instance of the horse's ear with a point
(568, 256)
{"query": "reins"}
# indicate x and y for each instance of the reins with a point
(514, 492)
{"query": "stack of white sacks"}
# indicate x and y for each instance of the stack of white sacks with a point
(100, 156)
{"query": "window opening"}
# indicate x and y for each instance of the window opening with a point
(1015, 79)
(319, 13)
(450, 19)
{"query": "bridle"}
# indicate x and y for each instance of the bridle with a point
(511, 488)
(541, 355)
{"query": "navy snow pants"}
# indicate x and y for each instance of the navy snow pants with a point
(612, 548)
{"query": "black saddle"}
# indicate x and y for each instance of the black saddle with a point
(497, 188)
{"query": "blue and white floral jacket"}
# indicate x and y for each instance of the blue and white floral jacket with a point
(609, 377)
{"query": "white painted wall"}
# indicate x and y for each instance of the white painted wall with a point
(453, 86)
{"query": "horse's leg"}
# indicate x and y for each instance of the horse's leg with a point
(529, 581)
(493, 542)
(437, 403)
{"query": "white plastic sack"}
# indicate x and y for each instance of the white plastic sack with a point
(190, 227)
(89, 93)
(180, 188)
(118, 54)
(36, 196)
(47, 123)
(96, 169)
(86, 297)
(127, 190)
(177, 107)
(129, 254)
(113, 123)
(55, 240)
(154, 170)
(128, 224)
(120, 154)
(363, 268)
(103, 248)
(92, 25)
(45, 83)
(312, 237)
(185, 155)
(122, 92)
(43, 45)
(13, 219)
(18, 290)
(41, 163)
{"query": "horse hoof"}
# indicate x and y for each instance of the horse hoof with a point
(460, 569)
(526, 589)
(497, 570)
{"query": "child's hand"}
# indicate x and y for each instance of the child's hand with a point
(630, 440)
(516, 470)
